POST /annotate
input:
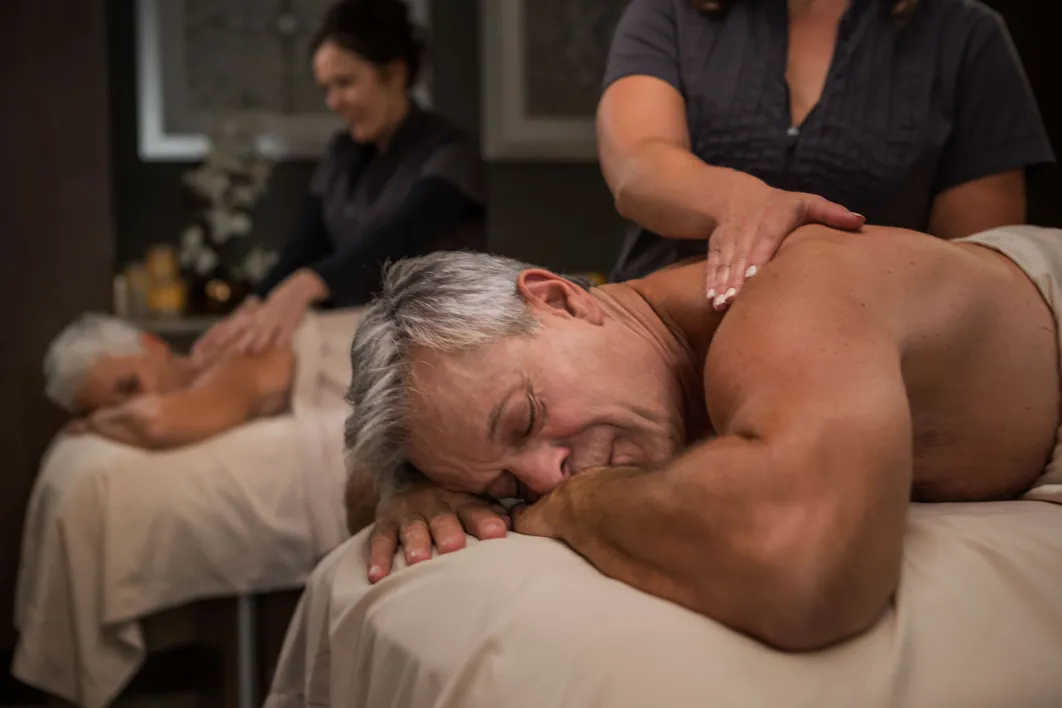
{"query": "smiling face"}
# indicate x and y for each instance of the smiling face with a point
(370, 99)
(514, 418)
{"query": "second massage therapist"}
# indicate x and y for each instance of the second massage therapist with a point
(397, 181)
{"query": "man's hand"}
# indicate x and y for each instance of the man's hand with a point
(423, 513)
(757, 219)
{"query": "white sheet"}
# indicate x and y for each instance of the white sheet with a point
(114, 534)
(524, 622)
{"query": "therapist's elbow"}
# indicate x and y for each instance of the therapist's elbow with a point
(623, 176)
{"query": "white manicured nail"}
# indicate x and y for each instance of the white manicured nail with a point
(729, 294)
(751, 271)
(720, 301)
(711, 294)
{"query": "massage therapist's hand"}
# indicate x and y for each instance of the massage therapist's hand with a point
(256, 325)
(225, 333)
(274, 323)
(425, 513)
(756, 220)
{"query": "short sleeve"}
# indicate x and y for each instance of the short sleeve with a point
(997, 125)
(645, 43)
(459, 163)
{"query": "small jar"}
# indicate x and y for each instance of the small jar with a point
(167, 293)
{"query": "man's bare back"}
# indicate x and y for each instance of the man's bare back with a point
(976, 340)
(159, 400)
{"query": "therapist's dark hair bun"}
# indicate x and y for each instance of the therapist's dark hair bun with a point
(377, 30)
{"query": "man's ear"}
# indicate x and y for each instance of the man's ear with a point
(552, 294)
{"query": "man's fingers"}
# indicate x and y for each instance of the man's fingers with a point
(482, 521)
(823, 211)
(447, 532)
(382, 545)
(503, 513)
(416, 540)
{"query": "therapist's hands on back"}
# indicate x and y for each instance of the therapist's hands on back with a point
(754, 222)
(260, 325)
(659, 183)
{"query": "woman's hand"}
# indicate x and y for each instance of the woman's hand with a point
(225, 332)
(424, 513)
(756, 221)
(274, 323)
(256, 325)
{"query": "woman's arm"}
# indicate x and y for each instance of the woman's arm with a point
(644, 149)
(657, 182)
(985, 203)
(997, 132)
(307, 244)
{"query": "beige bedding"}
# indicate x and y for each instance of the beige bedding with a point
(524, 622)
(114, 534)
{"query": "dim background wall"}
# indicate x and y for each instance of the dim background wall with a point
(557, 215)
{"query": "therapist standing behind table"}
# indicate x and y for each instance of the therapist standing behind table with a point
(398, 181)
(741, 120)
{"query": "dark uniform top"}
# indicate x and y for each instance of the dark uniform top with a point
(908, 110)
(425, 192)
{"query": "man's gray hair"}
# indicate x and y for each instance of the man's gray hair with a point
(446, 301)
(77, 348)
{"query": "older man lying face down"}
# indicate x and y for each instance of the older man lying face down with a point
(754, 465)
(129, 385)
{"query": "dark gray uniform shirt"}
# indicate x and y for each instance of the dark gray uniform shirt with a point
(908, 110)
(426, 192)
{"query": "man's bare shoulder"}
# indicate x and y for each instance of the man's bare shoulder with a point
(815, 261)
(265, 378)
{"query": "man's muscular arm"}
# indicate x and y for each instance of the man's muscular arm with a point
(788, 527)
(230, 393)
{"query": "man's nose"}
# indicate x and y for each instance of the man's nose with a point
(542, 469)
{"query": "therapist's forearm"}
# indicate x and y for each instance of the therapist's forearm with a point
(668, 190)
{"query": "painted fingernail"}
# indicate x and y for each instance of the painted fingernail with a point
(751, 271)
(720, 301)
(711, 294)
(729, 294)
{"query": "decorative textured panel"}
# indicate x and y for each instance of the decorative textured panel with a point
(543, 65)
(567, 45)
(202, 59)
(251, 54)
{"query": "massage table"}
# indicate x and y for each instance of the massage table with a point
(524, 622)
(117, 539)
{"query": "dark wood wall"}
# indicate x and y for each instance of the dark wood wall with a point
(55, 226)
